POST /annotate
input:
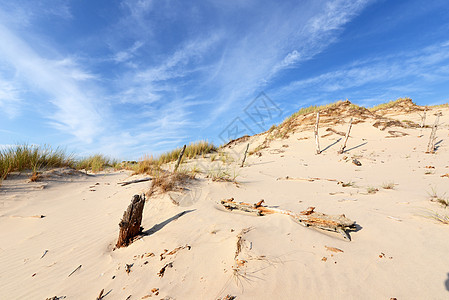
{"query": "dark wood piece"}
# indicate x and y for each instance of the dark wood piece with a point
(130, 223)
(134, 181)
(244, 156)
(180, 157)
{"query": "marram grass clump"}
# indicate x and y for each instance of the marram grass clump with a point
(25, 157)
(192, 151)
(95, 163)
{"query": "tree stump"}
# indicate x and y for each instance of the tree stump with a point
(130, 223)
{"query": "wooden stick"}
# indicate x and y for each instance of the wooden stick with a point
(432, 138)
(244, 156)
(79, 267)
(180, 157)
(134, 181)
(423, 118)
(307, 218)
(130, 223)
(316, 133)
(100, 296)
(342, 149)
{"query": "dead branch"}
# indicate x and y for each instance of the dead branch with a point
(134, 181)
(339, 224)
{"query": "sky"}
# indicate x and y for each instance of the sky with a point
(134, 77)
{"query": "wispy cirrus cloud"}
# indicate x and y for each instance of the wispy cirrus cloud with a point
(72, 109)
(398, 74)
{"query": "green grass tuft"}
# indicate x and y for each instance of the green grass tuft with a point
(95, 163)
(34, 158)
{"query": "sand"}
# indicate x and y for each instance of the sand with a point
(397, 251)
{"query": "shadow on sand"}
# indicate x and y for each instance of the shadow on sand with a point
(161, 225)
(334, 143)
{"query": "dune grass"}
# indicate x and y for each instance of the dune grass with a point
(95, 163)
(388, 104)
(34, 158)
(192, 151)
(152, 166)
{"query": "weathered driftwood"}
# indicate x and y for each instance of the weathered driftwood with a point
(317, 142)
(432, 138)
(180, 157)
(307, 218)
(423, 118)
(130, 223)
(134, 181)
(342, 149)
(244, 155)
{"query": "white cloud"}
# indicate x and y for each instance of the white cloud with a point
(9, 98)
(74, 109)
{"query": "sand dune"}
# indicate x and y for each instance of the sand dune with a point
(51, 227)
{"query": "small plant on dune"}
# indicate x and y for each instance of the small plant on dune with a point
(221, 174)
(213, 157)
(388, 185)
(194, 170)
(349, 183)
(440, 199)
(95, 163)
(257, 149)
(371, 190)
(165, 181)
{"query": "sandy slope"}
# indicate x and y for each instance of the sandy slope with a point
(396, 252)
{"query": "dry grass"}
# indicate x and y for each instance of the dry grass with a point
(192, 151)
(443, 200)
(371, 190)
(166, 181)
(388, 185)
(95, 163)
(440, 218)
(389, 104)
(34, 158)
(224, 175)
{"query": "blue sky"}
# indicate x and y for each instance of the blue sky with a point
(134, 77)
